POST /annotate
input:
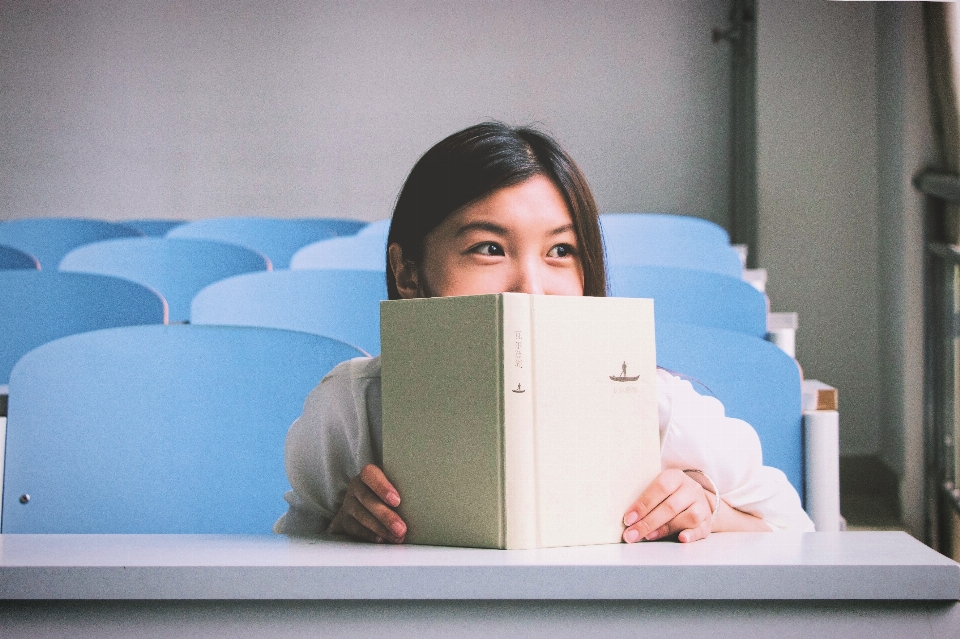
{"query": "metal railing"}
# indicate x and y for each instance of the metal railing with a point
(942, 362)
(943, 365)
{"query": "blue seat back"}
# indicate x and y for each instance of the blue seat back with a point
(11, 258)
(341, 304)
(380, 228)
(650, 239)
(154, 228)
(177, 268)
(694, 297)
(341, 226)
(755, 380)
(360, 252)
(277, 238)
(49, 239)
(687, 227)
(40, 306)
(159, 429)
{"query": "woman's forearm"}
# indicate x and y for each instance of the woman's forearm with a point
(729, 519)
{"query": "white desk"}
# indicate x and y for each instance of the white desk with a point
(733, 584)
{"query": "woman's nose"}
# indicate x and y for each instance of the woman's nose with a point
(529, 278)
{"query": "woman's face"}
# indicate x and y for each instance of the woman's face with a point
(519, 239)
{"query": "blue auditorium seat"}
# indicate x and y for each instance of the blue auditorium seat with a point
(342, 226)
(690, 227)
(153, 228)
(656, 239)
(40, 306)
(379, 227)
(342, 304)
(157, 429)
(693, 297)
(360, 252)
(277, 238)
(50, 238)
(11, 258)
(177, 268)
(755, 380)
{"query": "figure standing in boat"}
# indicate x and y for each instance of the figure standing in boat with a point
(622, 377)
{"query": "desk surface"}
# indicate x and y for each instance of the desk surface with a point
(730, 566)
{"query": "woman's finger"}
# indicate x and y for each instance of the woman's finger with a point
(388, 519)
(359, 513)
(657, 522)
(350, 526)
(664, 485)
(374, 479)
(695, 521)
(344, 524)
(686, 508)
(695, 534)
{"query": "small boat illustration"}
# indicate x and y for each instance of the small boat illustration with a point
(518, 389)
(623, 377)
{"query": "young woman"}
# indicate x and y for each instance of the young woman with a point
(496, 209)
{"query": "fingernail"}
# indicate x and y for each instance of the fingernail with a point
(398, 528)
(652, 536)
(393, 499)
(630, 536)
(630, 518)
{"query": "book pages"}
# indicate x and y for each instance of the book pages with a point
(596, 430)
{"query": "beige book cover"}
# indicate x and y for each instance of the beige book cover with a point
(518, 421)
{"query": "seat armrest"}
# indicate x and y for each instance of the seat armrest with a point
(782, 331)
(821, 468)
(756, 277)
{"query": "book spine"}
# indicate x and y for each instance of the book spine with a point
(520, 497)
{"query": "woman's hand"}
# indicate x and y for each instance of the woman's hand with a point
(367, 510)
(673, 503)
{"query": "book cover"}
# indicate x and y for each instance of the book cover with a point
(518, 421)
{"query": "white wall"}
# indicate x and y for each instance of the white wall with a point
(189, 109)
(817, 194)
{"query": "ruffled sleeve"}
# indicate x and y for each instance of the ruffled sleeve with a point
(335, 437)
(695, 433)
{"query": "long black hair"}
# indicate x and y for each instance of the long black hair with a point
(477, 161)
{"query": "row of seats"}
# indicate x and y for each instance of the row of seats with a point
(638, 239)
(180, 429)
(681, 241)
(753, 378)
(180, 268)
(36, 306)
(48, 240)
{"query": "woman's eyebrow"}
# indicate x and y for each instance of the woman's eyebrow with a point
(481, 226)
(562, 229)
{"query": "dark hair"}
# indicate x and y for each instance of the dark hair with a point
(474, 163)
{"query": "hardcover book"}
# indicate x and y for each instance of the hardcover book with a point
(518, 421)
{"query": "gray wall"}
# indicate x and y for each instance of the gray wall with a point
(905, 146)
(817, 199)
(122, 110)
(844, 124)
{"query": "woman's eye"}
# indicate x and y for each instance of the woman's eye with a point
(561, 250)
(488, 248)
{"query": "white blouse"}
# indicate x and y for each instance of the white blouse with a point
(339, 433)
